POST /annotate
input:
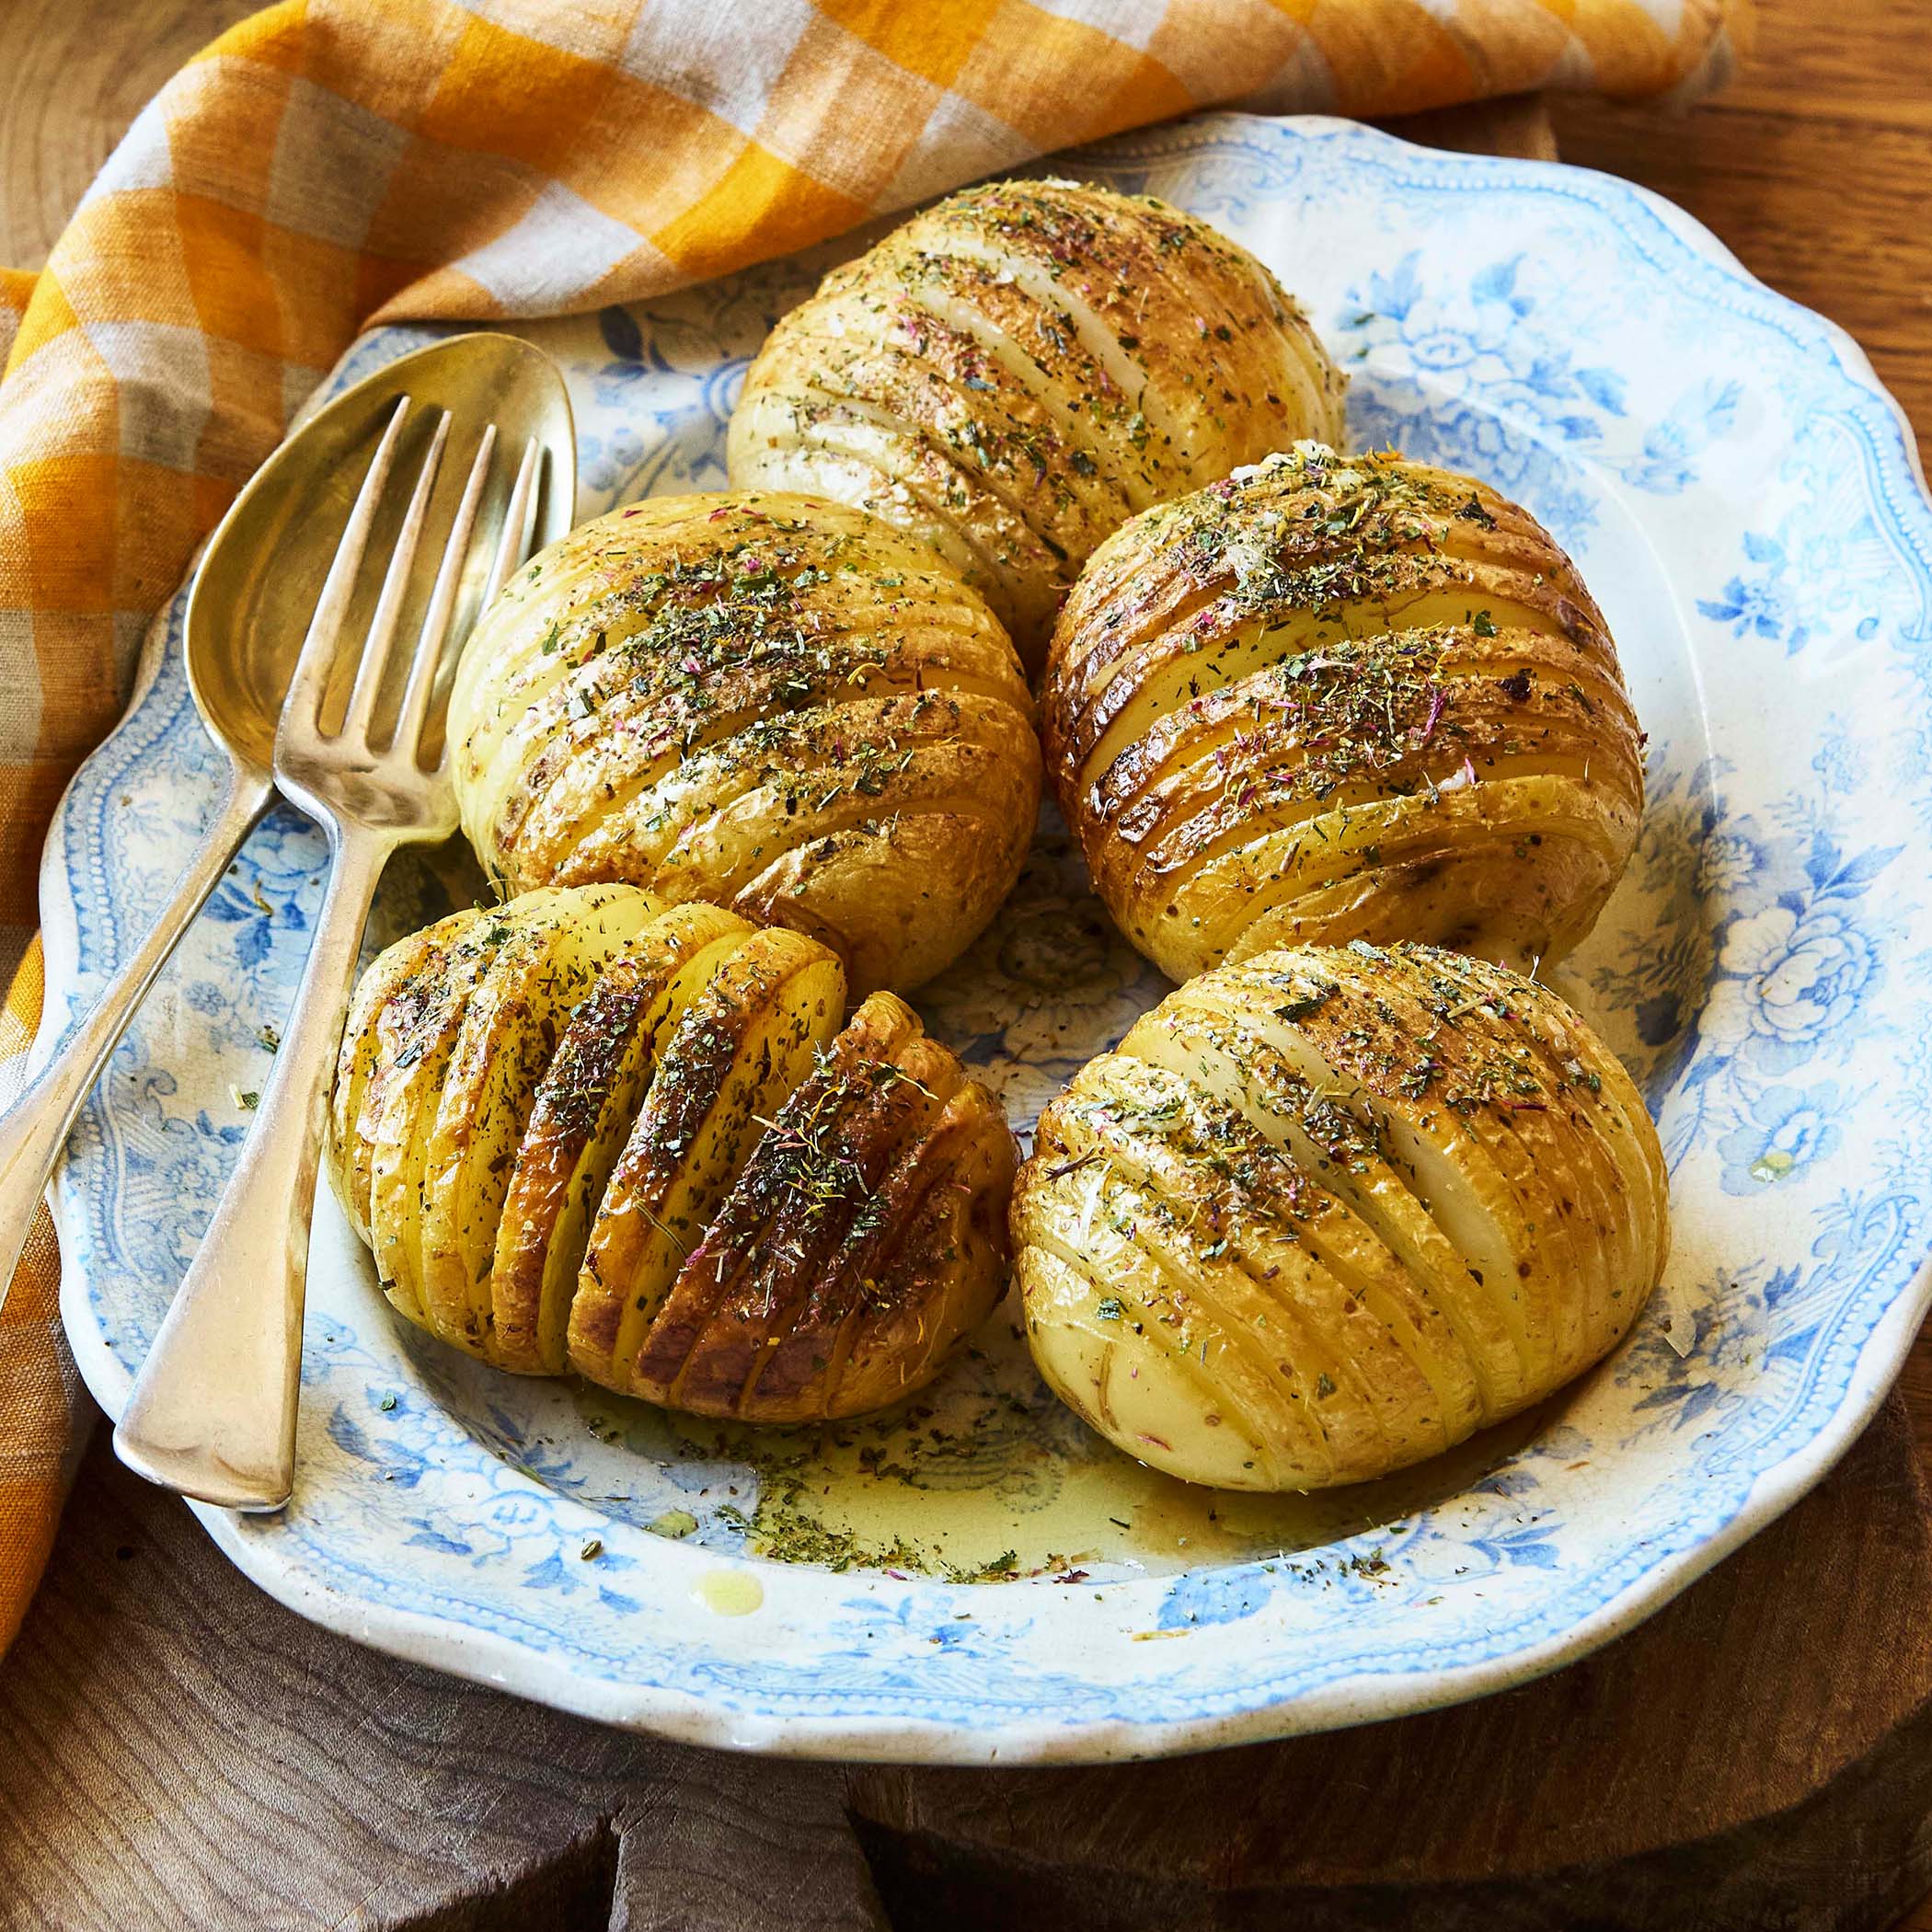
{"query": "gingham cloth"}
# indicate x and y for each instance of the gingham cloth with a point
(329, 165)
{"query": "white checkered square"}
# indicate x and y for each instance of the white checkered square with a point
(551, 259)
(958, 143)
(141, 160)
(163, 385)
(333, 160)
(1130, 22)
(726, 59)
(44, 396)
(592, 30)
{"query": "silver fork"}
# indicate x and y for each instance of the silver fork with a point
(213, 1412)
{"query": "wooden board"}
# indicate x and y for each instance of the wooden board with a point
(174, 1750)
(76, 72)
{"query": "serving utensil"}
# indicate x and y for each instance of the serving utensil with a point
(257, 581)
(213, 1412)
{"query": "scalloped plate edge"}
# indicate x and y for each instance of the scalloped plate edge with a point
(504, 1663)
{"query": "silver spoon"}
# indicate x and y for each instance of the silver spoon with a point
(246, 615)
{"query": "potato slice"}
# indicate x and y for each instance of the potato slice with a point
(583, 1108)
(1273, 1259)
(509, 1030)
(363, 1068)
(1540, 1132)
(735, 1056)
(863, 1239)
(1235, 1050)
(1119, 1339)
(813, 1169)
(1204, 1293)
(926, 1265)
(417, 1033)
(903, 1131)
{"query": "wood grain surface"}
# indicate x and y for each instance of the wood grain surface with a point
(177, 1750)
(73, 74)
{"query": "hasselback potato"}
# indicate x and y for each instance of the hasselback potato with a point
(1341, 697)
(1013, 373)
(781, 706)
(588, 1129)
(1330, 1210)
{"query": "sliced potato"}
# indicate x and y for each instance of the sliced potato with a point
(361, 1063)
(862, 1239)
(509, 1030)
(416, 1032)
(1242, 1054)
(1331, 1210)
(600, 1133)
(785, 1215)
(1016, 371)
(582, 1110)
(740, 1049)
(762, 701)
(1335, 698)
(926, 1265)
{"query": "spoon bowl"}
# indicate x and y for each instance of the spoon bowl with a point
(251, 601)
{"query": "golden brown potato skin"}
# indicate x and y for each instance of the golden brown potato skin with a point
(781, 706)
(1330, 1210)
(701, 1191)
(730, 1064)
(863, 1239)
(1341, 697)
(1013, 373)
(587, 1100)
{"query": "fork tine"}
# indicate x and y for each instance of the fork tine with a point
(519, 521)
(379, 642)
(526, 542)
(317, 655)
(436, 619)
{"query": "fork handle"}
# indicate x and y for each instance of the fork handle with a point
(35, 1127)
(213, 1412)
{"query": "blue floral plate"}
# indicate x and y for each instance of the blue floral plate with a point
(978, 1578)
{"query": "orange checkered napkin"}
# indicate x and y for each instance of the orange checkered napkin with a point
(41, 1402)
(333, 163)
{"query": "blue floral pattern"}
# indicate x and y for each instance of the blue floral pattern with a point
(1745, 500)
(1499, 380)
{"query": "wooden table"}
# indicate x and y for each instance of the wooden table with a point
(1811, 169)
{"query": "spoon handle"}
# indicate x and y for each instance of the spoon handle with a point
(213, 1413)
(34, 1129)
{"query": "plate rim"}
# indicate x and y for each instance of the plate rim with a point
(505, 1663)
